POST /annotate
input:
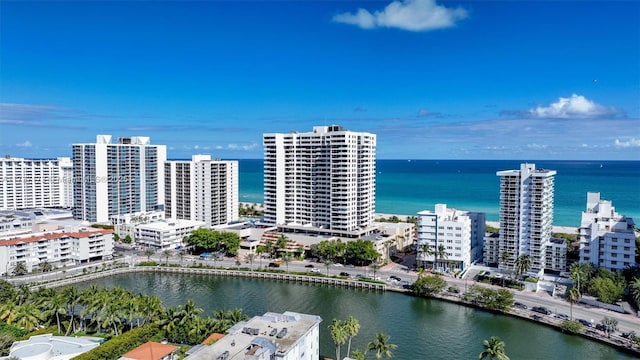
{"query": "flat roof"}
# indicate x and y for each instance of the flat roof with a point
(59, 345)
(56, 235)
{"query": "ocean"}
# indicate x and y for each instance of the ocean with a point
(409, 186)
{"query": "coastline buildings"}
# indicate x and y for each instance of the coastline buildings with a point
(323, 179)
(607, 238)
(112, 178)
(460, 232)
(202, 190)
(285, 336)
(56, 247)
(526, 216)
(26, 183)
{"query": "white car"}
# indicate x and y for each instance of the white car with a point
(315, 270)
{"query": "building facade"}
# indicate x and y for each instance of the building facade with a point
(57, 248)
(461, 233)
(556, 255)
(272, 336)
(607, 238)
(323, 179)
(202, 190)
(29, 183)
(164, 234)
(526, 216)
(122, 177)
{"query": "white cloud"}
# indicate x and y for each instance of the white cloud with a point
(633, 142)
(576, 106)
(412, 15)
(536, 146)
(25, 144)
(423, 112)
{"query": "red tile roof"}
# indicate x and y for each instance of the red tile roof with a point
(58, 235)
(150, 351)
(213, 337)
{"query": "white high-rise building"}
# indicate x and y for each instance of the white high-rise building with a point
(460, 232)
(526, 215)
(323, 179)
(113, 178)
(607, 238)
(29, 183)
(202, 190)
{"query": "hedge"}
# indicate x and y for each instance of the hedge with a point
(121, 344)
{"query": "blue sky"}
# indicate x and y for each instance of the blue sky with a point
(433, 79)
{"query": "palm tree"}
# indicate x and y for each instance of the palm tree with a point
(381, 346)
(45, 266)
(56, 305)
(441, 253)
(167, 254)
(260, 249)
(357, 354)
(250, 257)
(493, 349)
(426, 250)
(28, 316)
(634, 289)
(148, 254)
(286, 257)
(8, 312)
(181, 254)
(281, 243)
(327, 263)
(338, 334)
(20, 268)
(504, 257)
(523, 264)
(610, 325)
(351, 327)
(574, 297)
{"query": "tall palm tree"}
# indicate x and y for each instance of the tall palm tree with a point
(56, 305)
(357, 354)
(286, 257)
(493, 349)
(71, 296)
(573, 297)
(281, 243)
(181, 254)
(351, 327)
(260, 249)
(634, 288)
(523, 264)
(148, 254)
(20, 268)
(426, 250)
(251, 257)
(45, 266)
(8, 312)
(327, 263)
(338, 334)
(28, 316)
(167, 254)
(381, 346)
(442, 253)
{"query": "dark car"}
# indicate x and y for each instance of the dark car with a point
(396, 278)
(520, 305)
(541, 309)
(272, 264)
(601, 327)
(309, 266)
(585, 323)
(345, 274)
(562, 316)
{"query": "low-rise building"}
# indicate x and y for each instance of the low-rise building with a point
(58, 248)
(49, 347)
(556, 255)
(124, 225)
(401, 235)
(607, 238)
(461, 233)
(271, 336)
(491, 253)
(165, 234)
(152, 351)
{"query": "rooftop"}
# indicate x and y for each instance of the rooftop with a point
(47, 346)
(150, 351)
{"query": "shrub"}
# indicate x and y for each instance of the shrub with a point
(121, 344)
(572, 326)
(147, 263)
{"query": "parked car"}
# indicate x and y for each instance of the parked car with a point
(520, 305)
(541, 309)
(309, 266)
(274, 265)
(345, 274)
(315, 270)
(586, 323)
(562, 316)
(396, 278)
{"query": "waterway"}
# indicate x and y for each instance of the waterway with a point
(422, 328)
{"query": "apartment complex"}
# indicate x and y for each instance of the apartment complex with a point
(122, 177)
(27, 183)
(56, 247)
(323, 179)
(526, 216)
(461, 233)
(607, 238)
(275, 336)
(202, 190)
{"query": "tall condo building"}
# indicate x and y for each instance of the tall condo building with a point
(32, 183)
(323, 179)
(114, 178)
(460, 233)
(202, 190)
(607, 238)
(526, 215)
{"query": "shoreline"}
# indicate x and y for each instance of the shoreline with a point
(615, 342)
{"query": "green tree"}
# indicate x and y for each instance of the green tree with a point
(581, 273)
(441, 254)
(573, 296)
(522, 265)
(148, 253)
(251, 257)
(281, 243)
(56, 305)
(45, 266)
(167, 253)
(260, 249)
(20, 268)
(493, 349)
(610, 325)
(351, 327)
(357, 354)
(28, 316)
(634, 291)
(426, 250)
(128, 239)
(381, 346)
(338, 335)
(7, 291)
(572, 326)
(428, 285)
(606, 289)
(287, 257)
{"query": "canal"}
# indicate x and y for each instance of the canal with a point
(422, 328)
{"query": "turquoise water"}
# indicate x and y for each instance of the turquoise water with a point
(422, 328)
(406, 187)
